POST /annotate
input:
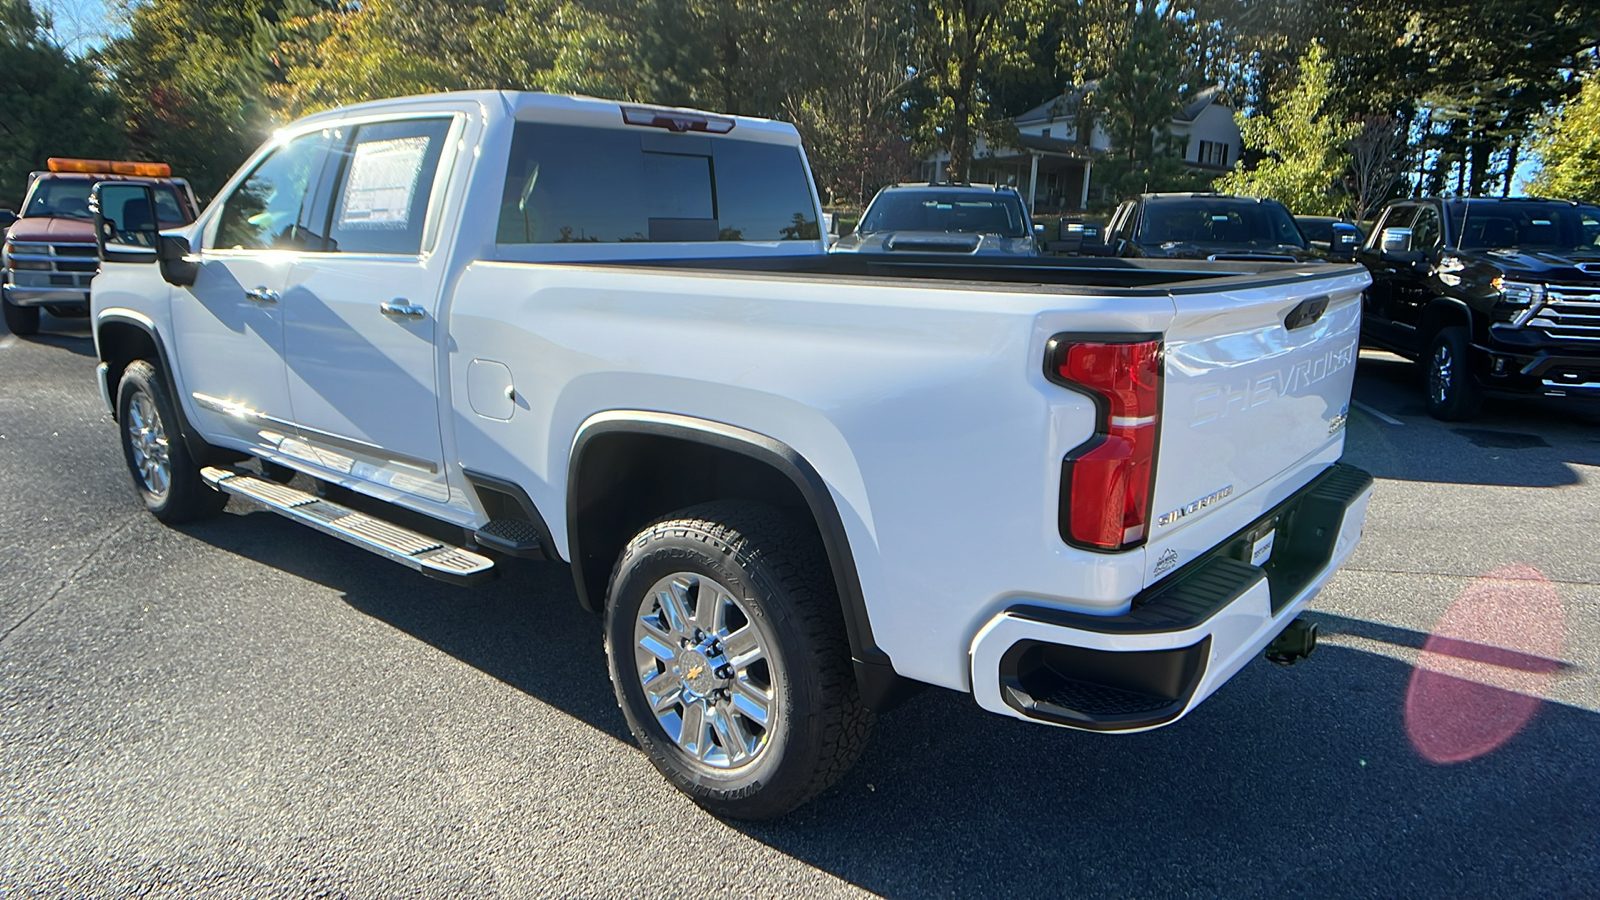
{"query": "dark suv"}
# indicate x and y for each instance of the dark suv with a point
(1206, 226)
(1501, 295)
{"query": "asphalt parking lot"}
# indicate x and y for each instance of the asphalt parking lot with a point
(247, 708)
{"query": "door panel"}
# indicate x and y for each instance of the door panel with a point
(360, 319)
(228, 326)
(1413, 286)
(230, 347)
(1378, 302)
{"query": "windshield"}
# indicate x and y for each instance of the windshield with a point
(1535, 225)
(1234, 223)
(68, 198)
(963, 212)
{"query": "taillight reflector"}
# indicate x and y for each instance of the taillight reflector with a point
(1106, 482)
(109, 167)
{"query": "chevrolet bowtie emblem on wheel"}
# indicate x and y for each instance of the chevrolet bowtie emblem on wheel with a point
(694, 671)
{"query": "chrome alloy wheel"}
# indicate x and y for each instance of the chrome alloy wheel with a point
(1439, 375)
(147, 441)
(706, 670)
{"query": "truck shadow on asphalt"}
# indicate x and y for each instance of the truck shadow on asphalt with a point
(1529, 442)
(81, 344)
(1289, 782)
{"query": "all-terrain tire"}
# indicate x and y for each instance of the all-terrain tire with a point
(770, 573)
(164, 474)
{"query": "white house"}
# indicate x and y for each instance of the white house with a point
(1054, 163)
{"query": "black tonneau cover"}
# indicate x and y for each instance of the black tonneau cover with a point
(1168, 275)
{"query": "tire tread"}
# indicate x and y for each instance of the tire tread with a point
(764, 540)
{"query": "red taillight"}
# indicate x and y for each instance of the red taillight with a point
(1105, 482)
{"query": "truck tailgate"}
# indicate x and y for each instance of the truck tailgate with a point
(1257, 382)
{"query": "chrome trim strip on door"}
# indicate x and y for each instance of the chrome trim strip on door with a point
(240, 411)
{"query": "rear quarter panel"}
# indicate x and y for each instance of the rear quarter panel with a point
(923, 406)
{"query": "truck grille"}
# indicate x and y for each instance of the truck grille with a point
(40, 265)
(1571, 312)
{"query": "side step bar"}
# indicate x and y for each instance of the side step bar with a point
(402, 545)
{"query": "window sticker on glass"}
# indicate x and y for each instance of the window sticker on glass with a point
(383, 179)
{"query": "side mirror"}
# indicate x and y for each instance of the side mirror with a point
(177, 265)
(1345, 240)
(126, 230)
(125, 226)
(1038, 230)
(7, 218)
(1394, 241)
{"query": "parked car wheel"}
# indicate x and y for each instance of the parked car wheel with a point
(729, 658)
(1452, 393)
(165, 475)
(21, 320)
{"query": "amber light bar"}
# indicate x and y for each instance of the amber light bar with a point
(110, 167)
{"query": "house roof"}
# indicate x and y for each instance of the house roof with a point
(1067, 104)
(1063, 105)
(1052, 145)
(1198, 105)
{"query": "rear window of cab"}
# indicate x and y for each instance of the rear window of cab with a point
(578, 184)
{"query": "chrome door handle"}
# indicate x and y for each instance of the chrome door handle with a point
(262, 295)
(399, 308)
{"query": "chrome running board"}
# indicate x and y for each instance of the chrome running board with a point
(402, 545)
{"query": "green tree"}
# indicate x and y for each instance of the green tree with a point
(960, 43)
(194, 76)
(49, 102)
(392, 48)
(335, 57)
(1301, 143)
(1569, 149)
(1140, 91)
(852, 116)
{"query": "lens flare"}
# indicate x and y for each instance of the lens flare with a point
(1481, 673)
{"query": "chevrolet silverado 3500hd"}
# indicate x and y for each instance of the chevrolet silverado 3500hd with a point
(1086, 492)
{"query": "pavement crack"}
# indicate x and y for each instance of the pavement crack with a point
(71, 576)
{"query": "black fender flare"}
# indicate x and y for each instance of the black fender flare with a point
(881, 687)
(1445, 307)
(198, 448)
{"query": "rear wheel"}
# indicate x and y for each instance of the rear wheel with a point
(165, 475)
(21, 320)
(1453, 394)
(728, 656)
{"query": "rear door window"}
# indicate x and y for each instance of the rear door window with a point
(577, 184)
(385, 179)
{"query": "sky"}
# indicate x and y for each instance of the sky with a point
(80, 25)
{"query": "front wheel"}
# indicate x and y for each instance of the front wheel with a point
(729, 659)
(20, 320)
(164, 474)
(1453, 394)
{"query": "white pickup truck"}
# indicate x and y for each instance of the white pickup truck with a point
(796, 486)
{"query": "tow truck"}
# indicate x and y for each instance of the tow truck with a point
(49, 255)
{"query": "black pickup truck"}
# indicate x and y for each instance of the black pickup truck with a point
(1499, 295)
(1206, 226)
